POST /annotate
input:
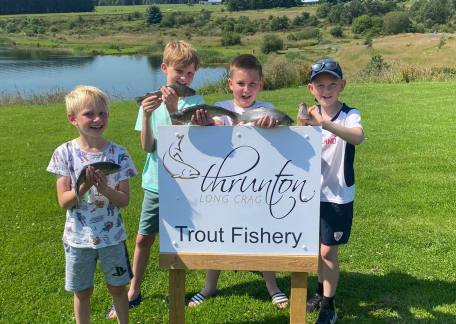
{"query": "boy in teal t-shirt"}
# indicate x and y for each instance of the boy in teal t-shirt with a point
(180, 62)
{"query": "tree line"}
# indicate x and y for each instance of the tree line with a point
(9, 7)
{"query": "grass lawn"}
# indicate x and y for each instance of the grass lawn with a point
(397, 268)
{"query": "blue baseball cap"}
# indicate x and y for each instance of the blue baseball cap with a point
(326, 66)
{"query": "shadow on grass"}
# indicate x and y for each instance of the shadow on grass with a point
(366, 298)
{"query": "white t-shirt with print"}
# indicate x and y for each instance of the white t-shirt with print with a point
(95, 222)
(230, 105)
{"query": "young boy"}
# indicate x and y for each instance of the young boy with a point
(180, 63)
(245, 81)
(342, 130)
(94, 228)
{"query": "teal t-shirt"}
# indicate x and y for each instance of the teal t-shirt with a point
(160, 116)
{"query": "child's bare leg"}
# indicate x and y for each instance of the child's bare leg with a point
(120, 301)
(140, 261)
(271, 285)
(210, 286)
(81, 300)
(329, 269)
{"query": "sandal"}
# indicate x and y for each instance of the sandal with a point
(278, 299)
(131, 304)
(196, 300)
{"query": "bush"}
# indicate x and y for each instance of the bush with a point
(361, 24)
(230, 39)
(396, 22)
(279, 23)
(153, 15)
(336, 31)
(282, 73)
(271, 43)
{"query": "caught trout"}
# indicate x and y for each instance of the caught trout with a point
(181, 91)
(186, 114)
(253, 115)
(106, 167)
(302, 111)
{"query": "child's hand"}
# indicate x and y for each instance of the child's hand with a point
(266, 122)
(150, 104)
(315, 117)
(170, 98)
(100, 181)
(201, 118)
(89, 180)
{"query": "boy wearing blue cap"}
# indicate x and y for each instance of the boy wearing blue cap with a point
(342, 130)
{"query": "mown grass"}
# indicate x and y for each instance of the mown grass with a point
(397, 268)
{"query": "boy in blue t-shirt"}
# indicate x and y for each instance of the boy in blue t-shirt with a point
(94, 229)
(180, 63)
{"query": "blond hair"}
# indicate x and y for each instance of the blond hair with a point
(180, 54)
(82, 96)
(246, 62)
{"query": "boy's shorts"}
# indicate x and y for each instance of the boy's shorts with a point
(81, 263)
(148, 222)
(335, 223)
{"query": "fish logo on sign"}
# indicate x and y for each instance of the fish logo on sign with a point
(175, 165)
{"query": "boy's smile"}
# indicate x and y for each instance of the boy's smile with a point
(245, 85)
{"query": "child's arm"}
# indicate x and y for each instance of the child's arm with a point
(66, 197)
(120, 196)
(353, 135)
(147, 137)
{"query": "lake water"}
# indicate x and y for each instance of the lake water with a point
(39, 72)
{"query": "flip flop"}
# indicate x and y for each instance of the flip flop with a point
(131, 304)
(279, 298)
(197, 300)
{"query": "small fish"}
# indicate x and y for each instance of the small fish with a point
(256, 113)
(186, 114)
(181, 91)
(302, 111)
(106, 167)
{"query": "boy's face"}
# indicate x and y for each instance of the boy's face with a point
(183, 75)
(245, 85)
(91, 120)
(326, 89)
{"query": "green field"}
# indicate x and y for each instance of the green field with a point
(397, 268)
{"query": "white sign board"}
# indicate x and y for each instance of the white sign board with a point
(239, 190)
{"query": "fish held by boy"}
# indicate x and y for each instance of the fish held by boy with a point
(255, 114)
(107, 168)
(186, 114)
(181, 91)
(302, 111)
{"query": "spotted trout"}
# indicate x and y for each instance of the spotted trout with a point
(181, 91)
(106, 167)
(253, 115)
(186, 114)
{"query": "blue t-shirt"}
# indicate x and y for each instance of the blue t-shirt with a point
(160, 116)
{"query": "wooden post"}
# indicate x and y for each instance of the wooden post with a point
(176, 296)
(298, 310)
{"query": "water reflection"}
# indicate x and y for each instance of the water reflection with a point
(37, 72)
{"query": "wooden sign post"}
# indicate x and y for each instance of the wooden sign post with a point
(239, 198)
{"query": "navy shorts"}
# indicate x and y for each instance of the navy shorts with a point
(335, 223)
